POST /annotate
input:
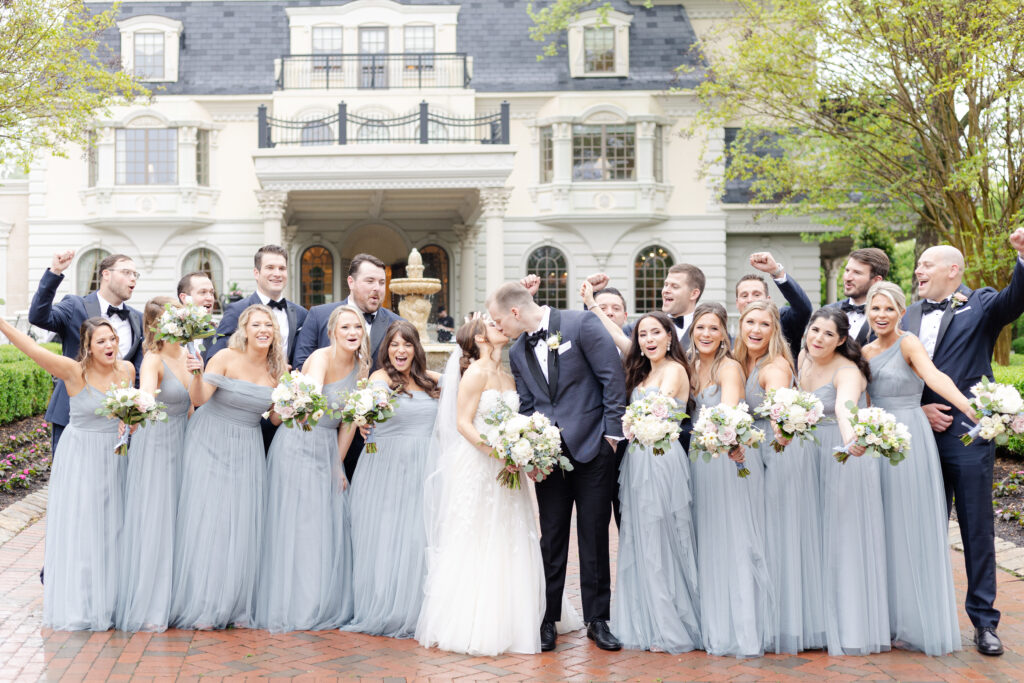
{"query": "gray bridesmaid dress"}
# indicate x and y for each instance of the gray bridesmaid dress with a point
(732, 574)
(305, 581)
(220, 509)
(83, 521)
(853, 542)
(922, 600)
(388, 532)
(656, 605)
(151, 490)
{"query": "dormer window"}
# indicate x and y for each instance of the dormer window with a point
(149, 47)
(599, 45)
(149, 56)
(598, 50)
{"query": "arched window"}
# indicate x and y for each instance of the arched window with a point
(203, 260)
(317, 133)
(87, 273)
(317, 278)
(649, 271)
(549, 264)
(435, 264)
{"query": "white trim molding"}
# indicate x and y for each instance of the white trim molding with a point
(169, 28)
(619, 23)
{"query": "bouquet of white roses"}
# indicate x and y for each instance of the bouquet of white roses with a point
(879, 432)
(132, 407)
(299, 402)
(184, 324)
(796, 413)
(653, 421)
(528, 445)
(1000, 412)
(722, 428)
(368, 404)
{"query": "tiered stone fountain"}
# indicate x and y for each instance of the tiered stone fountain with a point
(415, 307)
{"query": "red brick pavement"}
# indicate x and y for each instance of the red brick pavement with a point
(29, 652)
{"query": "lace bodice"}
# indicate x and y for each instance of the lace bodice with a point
(489, 400)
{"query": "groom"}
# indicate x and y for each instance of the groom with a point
(567, 368)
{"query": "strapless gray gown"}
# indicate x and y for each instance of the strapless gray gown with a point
(220, 510)
(922, 600)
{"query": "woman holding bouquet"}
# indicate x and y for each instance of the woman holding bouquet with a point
(656, 604)
(152, 485)
(922, 603)
(735, 589)
(792, 526)
(853, 535)
(220, 511)
(305, 581)
(388, 534)
(85, 513)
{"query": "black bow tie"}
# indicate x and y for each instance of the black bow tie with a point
(281, 305)
(368, 317)
(534, 337)
(852, 308)
(119, 312)
(929, 306)
(680, 322)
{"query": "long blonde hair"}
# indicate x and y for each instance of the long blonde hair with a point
(777, 346)
(723, 352)
(275, 354)
(363, 352)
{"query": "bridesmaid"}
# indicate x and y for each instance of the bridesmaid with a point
(152, 485)
(792, 524)
(305, 581)
(735, 589)
(853, 533)
(83, 521)
(388, 532)
(220, 510)
(922, 602)
(656, 606)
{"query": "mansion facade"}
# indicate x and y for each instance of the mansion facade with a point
(335, 128)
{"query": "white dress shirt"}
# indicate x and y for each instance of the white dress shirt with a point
(121, 326)
(279, 315)
(541, 349)
(930, 322)
(857, 320)
(687, 321)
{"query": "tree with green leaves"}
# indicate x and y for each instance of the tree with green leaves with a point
(56, 77)
(872, 114)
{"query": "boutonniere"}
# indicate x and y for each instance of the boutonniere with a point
(958, 300)
(554, 341)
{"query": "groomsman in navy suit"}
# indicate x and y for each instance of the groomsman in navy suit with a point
(864, 268)
(117, 281)
(271, 271)
(199, 288)
(367, 286)
(959, 326)
(795, 315)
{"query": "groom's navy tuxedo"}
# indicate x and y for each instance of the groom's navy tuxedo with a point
(963, 350)
(585, 395)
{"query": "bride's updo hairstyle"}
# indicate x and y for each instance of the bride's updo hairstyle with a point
(465, 337)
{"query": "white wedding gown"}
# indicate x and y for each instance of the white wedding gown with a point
(484, 592)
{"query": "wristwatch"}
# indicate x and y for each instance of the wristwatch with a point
(779, 270)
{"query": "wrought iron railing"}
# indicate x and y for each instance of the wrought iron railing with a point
(421, 127)
(374, 71)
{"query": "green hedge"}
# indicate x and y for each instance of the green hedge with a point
(11, 354)
(25, 390)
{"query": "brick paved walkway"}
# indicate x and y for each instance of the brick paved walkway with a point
(28, 652)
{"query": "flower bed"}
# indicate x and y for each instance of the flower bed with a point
(24, 458)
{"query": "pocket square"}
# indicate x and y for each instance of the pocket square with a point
(961, 310)
(562, 348)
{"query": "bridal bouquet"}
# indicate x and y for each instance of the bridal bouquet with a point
(299, 402)
(653, 422)
(796, 413)
(132, 407)
(184, 324)
(879, 431)
(1000, 412)
(368, 404)
(527, 445)
(722, 428)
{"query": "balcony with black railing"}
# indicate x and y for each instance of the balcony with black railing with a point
(374, 71)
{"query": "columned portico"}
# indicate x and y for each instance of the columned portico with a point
(272, 207)
(467, 235)
(494, 203)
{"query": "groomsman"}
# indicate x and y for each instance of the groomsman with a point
(117, 281)
(367, 286)
(752, 287)
(199, 287)
(959, 326)
(271, 271)
(566, 367)
(864, 268)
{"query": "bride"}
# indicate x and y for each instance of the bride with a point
(484, 591)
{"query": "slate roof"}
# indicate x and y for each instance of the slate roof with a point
(228, 48)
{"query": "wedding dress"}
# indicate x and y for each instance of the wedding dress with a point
(484, 592)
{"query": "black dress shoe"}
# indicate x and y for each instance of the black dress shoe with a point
(987, 641)
(602, 636)
(548, 636)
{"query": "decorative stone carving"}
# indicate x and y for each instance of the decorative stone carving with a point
(272, 203)
(494, 201)
(414, 289)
